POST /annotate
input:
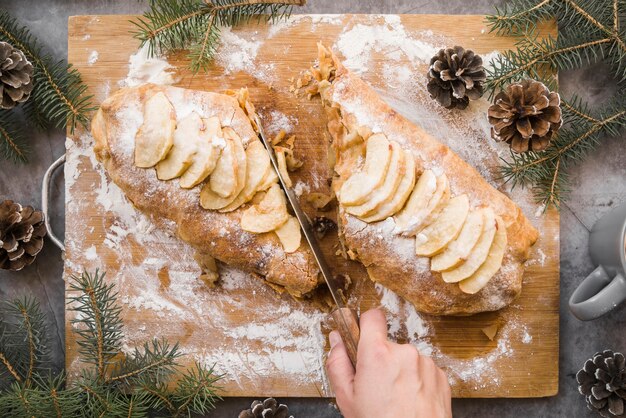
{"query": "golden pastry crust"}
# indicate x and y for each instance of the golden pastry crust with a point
(352, 105)
(218, 235)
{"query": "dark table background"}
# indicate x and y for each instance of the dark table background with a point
(598, 184)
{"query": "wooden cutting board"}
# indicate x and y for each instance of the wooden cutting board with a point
(269, 344)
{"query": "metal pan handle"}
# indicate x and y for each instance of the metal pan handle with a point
(45, 194)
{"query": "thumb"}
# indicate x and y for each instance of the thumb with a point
(339, 367)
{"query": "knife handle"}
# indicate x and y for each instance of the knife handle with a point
(347, 323)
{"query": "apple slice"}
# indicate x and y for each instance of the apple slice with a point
(418, 201)
(185, 146)
(210, 147)
(269, 179)
(492, 264)
(359, 186)
(436, 204)
(268, 215)
(258, 163)
(384, 192)
(479, 253)
(458, 250)
(229, 176)
(401, 195)
(155, 137)
(436, 236)
(289, 235)
(224, 176)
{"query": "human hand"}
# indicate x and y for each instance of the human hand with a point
(391, 380)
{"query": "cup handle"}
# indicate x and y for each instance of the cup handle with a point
(597, 295)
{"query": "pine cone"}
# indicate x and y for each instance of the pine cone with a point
(456, 76)
(526, 116)
(21, 235)
(603, 383)
(16, 76)
(269, 408)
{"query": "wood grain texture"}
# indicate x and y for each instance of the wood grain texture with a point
(529, 369)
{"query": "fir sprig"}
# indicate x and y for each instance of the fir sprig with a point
(589, 31)
(57, 99)
(12, 139)
(117, 384)
(194, 25)
(98, 322)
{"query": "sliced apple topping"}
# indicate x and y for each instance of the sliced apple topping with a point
(436, 204)
(358, 187)
(225, 178)
(492, 264)
(180, 157)
(458, 250)
(258, 162)
(210, 145)
(401, 195)
(289, 235)
(268, 215)
(269, 179)
(418, 200)
(155, 137)
(479, 253)
(436, 236)
(385, 192)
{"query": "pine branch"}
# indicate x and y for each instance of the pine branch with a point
(98, 322)
(157, 395)
(531, 57)
(12, 143)
(58, 92)
(133, 386)
(577, 111)
(520, 15)
(23, 344)
(155, 362)
(196, 392)
(9, 367)
(194, 25)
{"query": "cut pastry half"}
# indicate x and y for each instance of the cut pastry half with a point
(229, 170)
(408, 226)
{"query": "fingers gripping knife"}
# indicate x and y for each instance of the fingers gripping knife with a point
(344, 317)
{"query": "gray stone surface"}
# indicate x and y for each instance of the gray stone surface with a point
(597, 185)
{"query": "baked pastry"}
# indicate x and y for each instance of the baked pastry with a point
(194, 158)
(423, 222)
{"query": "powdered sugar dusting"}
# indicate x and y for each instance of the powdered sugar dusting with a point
(390, 38)
(145, 69)
(93, 57)
(236, 53)
(277, 121)
(406, 324)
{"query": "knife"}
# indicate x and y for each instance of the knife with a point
(345, 318)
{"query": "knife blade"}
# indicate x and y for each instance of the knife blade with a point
(345, 318)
